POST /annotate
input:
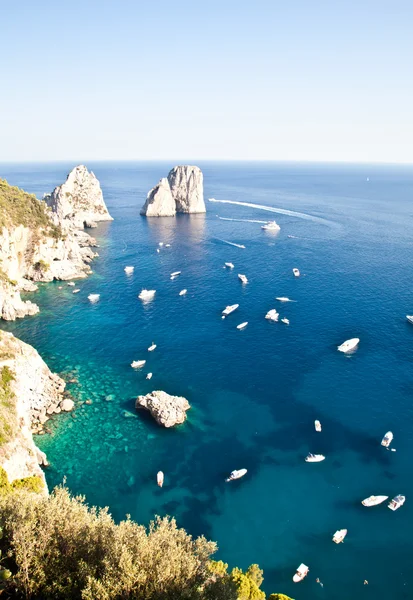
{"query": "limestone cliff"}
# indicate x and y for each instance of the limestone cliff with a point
(79, 201)
(181, 192)
(29, 394)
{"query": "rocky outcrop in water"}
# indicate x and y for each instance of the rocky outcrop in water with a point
(167, 410)
(30, 394)
(181, 192)
(79, 201)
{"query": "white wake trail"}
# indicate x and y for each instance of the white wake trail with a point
(232, 244)
(241, 220)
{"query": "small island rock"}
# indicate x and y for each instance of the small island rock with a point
(167, 410)
(159, 202)
(67, 405)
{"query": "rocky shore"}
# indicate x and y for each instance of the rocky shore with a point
(167, 410)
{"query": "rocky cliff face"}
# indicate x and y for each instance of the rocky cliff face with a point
(30, 394)
(79, 201)
(181, 192)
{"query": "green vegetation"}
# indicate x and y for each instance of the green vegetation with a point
(59, 548)
(17, 207)
(42, 265)
(34, 483)
(8, 417)
(279, 597)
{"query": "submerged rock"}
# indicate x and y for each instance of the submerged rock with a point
(181, 192)
(167, 410)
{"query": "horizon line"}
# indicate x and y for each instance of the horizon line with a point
(211, 160)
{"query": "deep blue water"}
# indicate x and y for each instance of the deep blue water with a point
(254, 393)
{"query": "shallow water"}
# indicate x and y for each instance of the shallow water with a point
(254, 393)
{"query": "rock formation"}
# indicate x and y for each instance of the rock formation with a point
(181, 192)
(30, 394)
(167, 410)
(79, 201)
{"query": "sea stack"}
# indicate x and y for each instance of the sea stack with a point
(79, 201)
(181, 192)
(167, 410)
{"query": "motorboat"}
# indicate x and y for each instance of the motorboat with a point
(183, 292)
(397, 502)
(284, 299)
(129, 270)
(160, 244)
(159, 478)
(242, 325)
(175, 274)
(373, 500)
(147, 295)
(236, 474)
(409, 318)
(137, 364)
(387, 440)
(157, 250)
(152, 347)
(285, 320)
(271, 226)
(149, 376)
(296, 272)
(93, 298)
(167, 245)
(339, 536)
(301, 572)
(314, 457)
(242, 278)
(317, 425)
(272, 315)
(71, 284)
(229, 309)
(229, 265)
(76, 291)
(348, 345)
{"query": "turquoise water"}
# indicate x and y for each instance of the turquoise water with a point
(254, 393)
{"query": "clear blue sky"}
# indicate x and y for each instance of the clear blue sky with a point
(158, 79)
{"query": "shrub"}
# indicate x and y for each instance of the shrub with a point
(8, 417)
(41, 265)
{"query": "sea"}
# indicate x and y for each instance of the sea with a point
(254, 393)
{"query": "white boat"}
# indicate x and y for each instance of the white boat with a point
(160, 244)
(167, 245)
(242, 278)
(284, 299)
(129, 270)
(317, 425)
(397, 502)
(348, 345)
(387, 439)
(137, 364)
(76, 291)
(271, 226)
(158, 250)
(272, 315)
(93, 298)
(373, 500)
(152, 347)
(183, 292)
(229, 265)
(71, 284)
(301, 572)
(236, 474)
(159, 478)
(339, 536)
(175, 274)
(285, 320)
(229, 309)
(314, 457)
(149, 376)
(147, 295)
(409, 318)
(296, 272)
(242, 325)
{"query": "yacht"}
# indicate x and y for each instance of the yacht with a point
(301, 572)
(183, 292)
(167, 245)
(409, 318)
(296, 272)
(284, 299)
(242, 325)
(160, 244)
(71, 284)
(348, 345)
(339, 536)
(152, 347)
(147, 295)
(236, 474)
(159, 478)
(229, 309)
(137, 364)
(93, 297)
(285, 320)
(387, 440)
(373, 500)
(317, 425)
(129, 270)
(272, 315)
(149, 376)
(314, 457)
(242, 278)
(271, 226)
(397, 502)
(229, 265)
(175, 274)
(76, 291)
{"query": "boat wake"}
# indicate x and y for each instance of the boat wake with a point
(241, 220)
(273, 209)
(232, 244)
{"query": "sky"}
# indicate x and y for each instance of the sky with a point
(213, 80)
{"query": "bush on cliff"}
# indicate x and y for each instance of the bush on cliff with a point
(8, 417)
